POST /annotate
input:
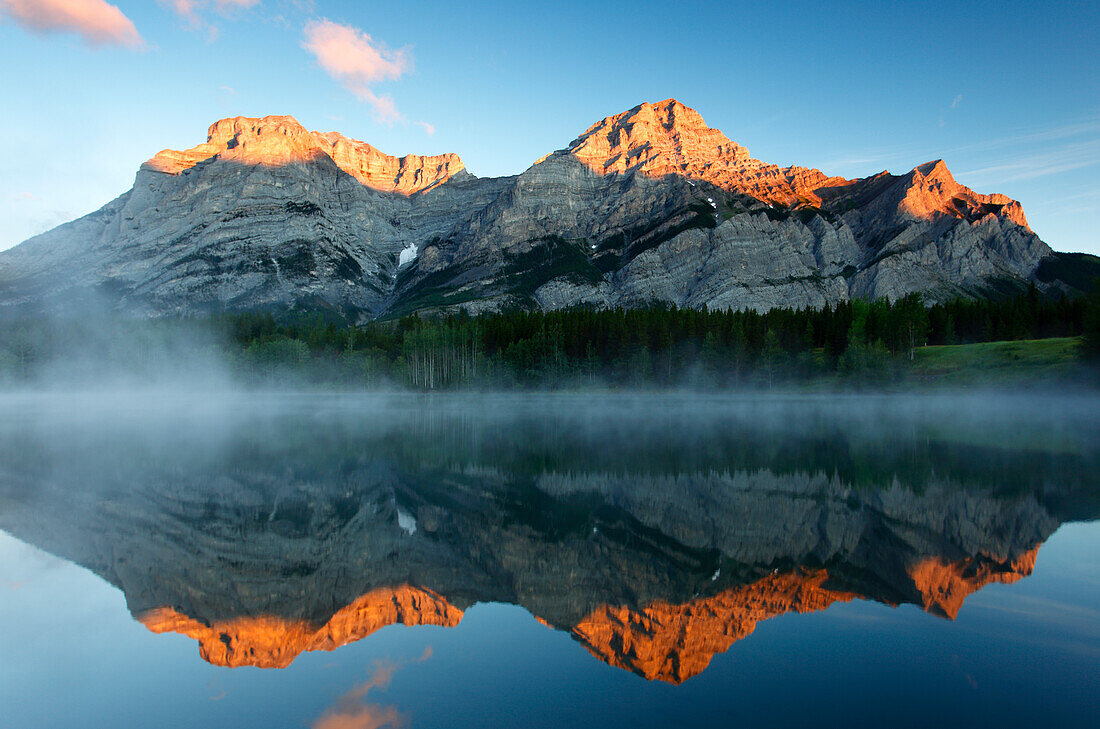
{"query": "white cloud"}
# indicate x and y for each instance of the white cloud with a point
(429, 129)
(956, 101)
(354, 59)
(96, 21)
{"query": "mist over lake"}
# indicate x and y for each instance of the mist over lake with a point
(596, 365)
(544, 559)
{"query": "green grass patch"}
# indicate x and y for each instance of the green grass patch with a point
(998, 362)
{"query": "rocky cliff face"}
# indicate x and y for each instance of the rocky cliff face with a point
(672, 643)
(261, 575)
(654, 205)
(647, 205)
(263, 215)
(276, 141)
(271, 641)
(669, 138)
(263, 539)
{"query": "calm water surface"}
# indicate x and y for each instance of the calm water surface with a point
(353, 562)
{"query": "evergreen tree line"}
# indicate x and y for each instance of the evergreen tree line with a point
(660, 345)
(664, 345)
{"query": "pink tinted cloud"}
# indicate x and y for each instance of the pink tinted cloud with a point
(192, 11)
(361, 716)
(351, 712)
(96, 21)
(186, 9)
(354, 59)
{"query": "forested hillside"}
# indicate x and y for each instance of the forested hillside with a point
(854, 343)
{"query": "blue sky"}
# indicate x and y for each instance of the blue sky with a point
(1008, 93)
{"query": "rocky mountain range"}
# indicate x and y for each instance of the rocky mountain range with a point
(650, 205)
(261, 538)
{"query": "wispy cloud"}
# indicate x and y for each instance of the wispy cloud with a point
(194, 12)
(956, 101)
(1064, 158)
(1088, 127)
(861, 163)
(351, 712)
(97, 22)
(226, 97)
(429, 129)
(1086, 201)
(358, 62)
(1025, 155)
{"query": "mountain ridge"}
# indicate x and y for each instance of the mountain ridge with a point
(276, 140)
(647, 205)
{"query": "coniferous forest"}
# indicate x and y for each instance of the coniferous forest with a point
(854, 343)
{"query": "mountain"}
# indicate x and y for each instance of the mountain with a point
(257, 568)
(263, 215)
(648, 205)
(654, 541)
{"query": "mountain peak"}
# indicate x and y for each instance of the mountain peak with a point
(268, 641)
(270, 140)
(225, 129)
(670, 138)
(657, 139)
(672, 210)
(932, 190)
(671, 114)
(935, 170)
(405, 175)
(276, 141)
(672, 643)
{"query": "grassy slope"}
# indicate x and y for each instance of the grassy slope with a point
(998, 362)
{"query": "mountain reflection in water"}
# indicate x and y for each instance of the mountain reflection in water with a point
(656, 532)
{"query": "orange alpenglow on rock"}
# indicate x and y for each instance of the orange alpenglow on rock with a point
(668, 138)
(945, 585)
(675, 642)
(281, 140)
(272, 642)
(406, 175)
(268, 215)
(663, 641)
(933, 191)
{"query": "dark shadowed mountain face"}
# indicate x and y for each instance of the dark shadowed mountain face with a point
(655, 534)
(648, 205)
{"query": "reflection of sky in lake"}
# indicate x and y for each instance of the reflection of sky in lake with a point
(1018, 655)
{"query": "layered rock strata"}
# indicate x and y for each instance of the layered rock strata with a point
(259, 557)
(647, 205)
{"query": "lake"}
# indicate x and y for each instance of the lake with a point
(616, 560)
